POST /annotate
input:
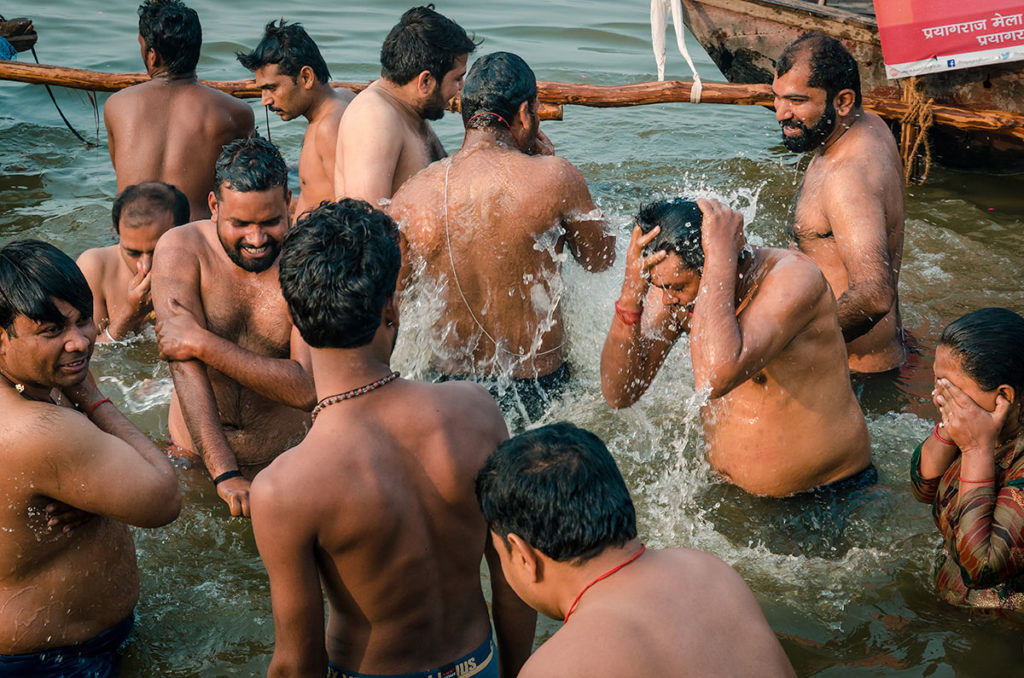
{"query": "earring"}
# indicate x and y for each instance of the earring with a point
(389, 324)
(20, 388)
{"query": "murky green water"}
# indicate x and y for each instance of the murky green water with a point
(862, 605)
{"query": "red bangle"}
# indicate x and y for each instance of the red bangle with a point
(630, 316)
(985, 480)
(92, 408)
(935, 432)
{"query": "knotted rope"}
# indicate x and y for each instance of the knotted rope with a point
(914, 127)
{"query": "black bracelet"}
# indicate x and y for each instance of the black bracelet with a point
(227, 475)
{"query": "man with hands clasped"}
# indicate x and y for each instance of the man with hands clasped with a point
(781, 417)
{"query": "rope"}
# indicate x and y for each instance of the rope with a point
(658, 22)
(914, 127)
(62, 117)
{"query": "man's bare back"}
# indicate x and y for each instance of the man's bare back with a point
(505, 220)
(849, 220)
(319, 147)
(172, 130)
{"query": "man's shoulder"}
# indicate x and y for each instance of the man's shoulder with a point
(36, 431)
(98, 259)
(799, 272)
(188, 239)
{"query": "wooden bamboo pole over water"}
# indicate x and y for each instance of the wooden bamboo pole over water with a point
(555, 93)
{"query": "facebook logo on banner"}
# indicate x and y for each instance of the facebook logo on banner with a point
(950, 63)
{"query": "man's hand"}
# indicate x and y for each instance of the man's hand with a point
(542, 145)
(138, 305)
(638, 267)
(235, 493)
(179, 337)
(973, 428)
(722, 230)
(61, 516)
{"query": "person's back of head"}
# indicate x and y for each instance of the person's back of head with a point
(495, 88)
(422, 40)
(33, 274)
(250, 164)
(173, 31)
(139, 203)
(833, 68)
(989, 343)
(557, 488)
(290, 47)
(680, 221)
(339, 266)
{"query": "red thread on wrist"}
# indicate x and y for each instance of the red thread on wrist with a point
(983, 480)
(629, 316)
(92, 408)
(935, 432)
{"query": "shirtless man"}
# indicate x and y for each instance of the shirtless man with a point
(849, 213)
(172, 128)
(384, 137)
(242, 386)
(376, 504)
(67, 593)
(501, 314)
(293, 80)
(119, 275)
(564, 527)
(765, 341)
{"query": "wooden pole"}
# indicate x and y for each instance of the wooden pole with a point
(557, 93)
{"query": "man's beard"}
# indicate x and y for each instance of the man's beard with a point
(812, 137)
(435, 106)
(248, 263)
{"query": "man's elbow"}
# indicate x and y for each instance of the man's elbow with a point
(162, 503)
(619, 398)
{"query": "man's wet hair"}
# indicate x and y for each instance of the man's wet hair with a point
(498, 83)
(290, 47)
(339, 266)
(250, 164)
(557, 487)
(680, 220)
(989, 343)
(173, 30)
(142, 202)
(32, 274)
(833, 68)
(422, 40)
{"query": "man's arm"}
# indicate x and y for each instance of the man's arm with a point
(514, 621)
(368, 150)
(287, 546)
(727, 350)
(284, 380)
(90, 262)
(585, 231)
(176, 274)
(634, 351)
(855, 208)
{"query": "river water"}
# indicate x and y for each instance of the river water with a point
(862, 604)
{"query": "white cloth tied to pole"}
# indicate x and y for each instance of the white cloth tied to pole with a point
(659, 20)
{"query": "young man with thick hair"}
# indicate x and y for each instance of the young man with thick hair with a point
(242, 388)
(385, 138)
(375, 506)
(294, 81)
(172, 128)
(75, 474)
(564, 527)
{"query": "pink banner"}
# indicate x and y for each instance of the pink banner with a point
(928, 36)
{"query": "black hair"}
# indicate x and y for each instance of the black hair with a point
(290, 47)
(989, 344)
(833, 68)
(250, 164)
(338, 268)
(422, 40)
(680, 220)
(558, 488)
(32, 274)
(498, 83)
(173, 30)
(144, 200)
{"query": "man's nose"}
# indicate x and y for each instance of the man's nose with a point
(265, 99)
(783, 111)
(77, 338)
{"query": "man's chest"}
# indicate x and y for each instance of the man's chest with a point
(255, 317)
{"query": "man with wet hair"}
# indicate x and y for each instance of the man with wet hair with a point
(119, 275)
(849, 211)
(766, 345)
(293, 80)
(564, 527)
(172, 128)
(376, 506)
(75, 474)
(384, 137)
(242, 386)
(501, 317)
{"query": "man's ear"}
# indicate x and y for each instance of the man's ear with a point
(525, 557)
(389, 316)
(212, 202)
(1008, 392)
(425, 83)
(524, 115)
(307, 78)
(844, 102)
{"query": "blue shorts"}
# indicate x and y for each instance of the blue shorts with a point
(481, 663)
(98, 657)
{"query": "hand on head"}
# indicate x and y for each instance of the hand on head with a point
(722, 230)
(970, 426)
(638, 266)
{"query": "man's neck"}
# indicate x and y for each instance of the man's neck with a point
(402, 98)
(337, 370)
(843, 126)
(324, 99)
(492, 137)
(162, 75)
(576, 579)
(28, 391)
